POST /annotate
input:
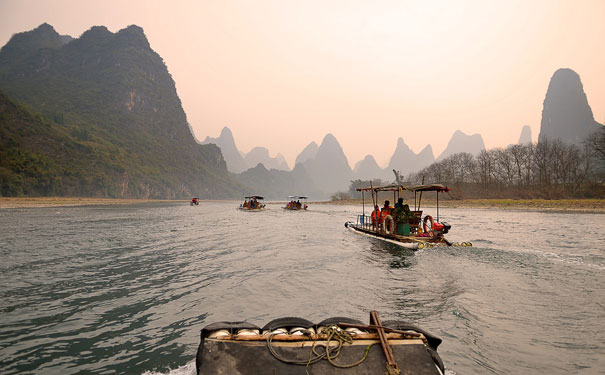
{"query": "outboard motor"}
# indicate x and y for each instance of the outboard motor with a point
(446, 227)
(441, 228)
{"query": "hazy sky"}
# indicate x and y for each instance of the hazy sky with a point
(284, 73)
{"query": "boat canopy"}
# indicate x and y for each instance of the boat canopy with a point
(413, 188)
(296, 197)
(432, 187)
(254, 196)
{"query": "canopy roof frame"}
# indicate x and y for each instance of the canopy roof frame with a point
(397, 189)
(412, 188)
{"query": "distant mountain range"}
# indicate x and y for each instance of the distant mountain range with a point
(525, 136)
(329, 168)
(277, 184)
(460, 142)
(327, 165)
(234, 159)
(238, 162)
(98, 116)
(326, 168)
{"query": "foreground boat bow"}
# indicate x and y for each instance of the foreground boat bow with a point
(334, 346)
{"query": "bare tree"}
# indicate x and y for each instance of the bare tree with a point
(485, 168)
(542, 162)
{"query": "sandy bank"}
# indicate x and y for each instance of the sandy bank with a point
(568, 205)
(67, 202)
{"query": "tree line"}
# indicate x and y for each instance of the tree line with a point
(550, 169)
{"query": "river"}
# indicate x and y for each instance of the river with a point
(126, 289)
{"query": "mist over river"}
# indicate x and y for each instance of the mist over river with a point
(126, 289)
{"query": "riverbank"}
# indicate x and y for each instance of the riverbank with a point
(571, 205)
(21, 202)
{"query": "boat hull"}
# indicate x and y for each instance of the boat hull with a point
(252, 357)
(408, 242)
(243, 348)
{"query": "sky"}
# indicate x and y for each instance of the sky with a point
(282, 73)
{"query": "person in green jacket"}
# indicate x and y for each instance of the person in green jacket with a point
(402, 212)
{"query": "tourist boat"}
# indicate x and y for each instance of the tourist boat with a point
(295, 204)
(252, 203)
(421, 231)
(336, 345)
(195, 201)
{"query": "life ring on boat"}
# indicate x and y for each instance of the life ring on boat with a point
(424, 227)
(389, 224)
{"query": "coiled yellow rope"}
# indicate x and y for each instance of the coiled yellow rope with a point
(330, 353)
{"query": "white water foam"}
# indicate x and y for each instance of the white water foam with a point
(188, 369)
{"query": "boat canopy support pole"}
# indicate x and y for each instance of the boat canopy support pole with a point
(363, 208)
(437, 205)
(420, 199)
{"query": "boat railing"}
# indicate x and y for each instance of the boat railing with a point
(363, 221)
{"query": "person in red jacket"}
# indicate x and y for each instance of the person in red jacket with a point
(376, 218)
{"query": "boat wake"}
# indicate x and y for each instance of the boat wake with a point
(188, 369)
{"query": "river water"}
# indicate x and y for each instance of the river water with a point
(126, 289)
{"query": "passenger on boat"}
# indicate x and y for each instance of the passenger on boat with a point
(402, 212)
(298, 204)
(246, 204)
(375, 217)
(399, 203)
(253, 203)
(386, 210)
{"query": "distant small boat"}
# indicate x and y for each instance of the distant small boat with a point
(415, 232)
(295, 204)
(252, 203)
(195, 201)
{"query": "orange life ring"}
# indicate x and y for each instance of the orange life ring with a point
(389, 228)
(424, 227)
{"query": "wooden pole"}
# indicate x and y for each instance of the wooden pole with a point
(363, 209)
(437, 205)
(373, 200)
(374, 327)
(388, 353)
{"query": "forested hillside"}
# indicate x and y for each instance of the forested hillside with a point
(103, 119)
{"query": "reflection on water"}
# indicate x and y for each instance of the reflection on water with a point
(127, 289)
